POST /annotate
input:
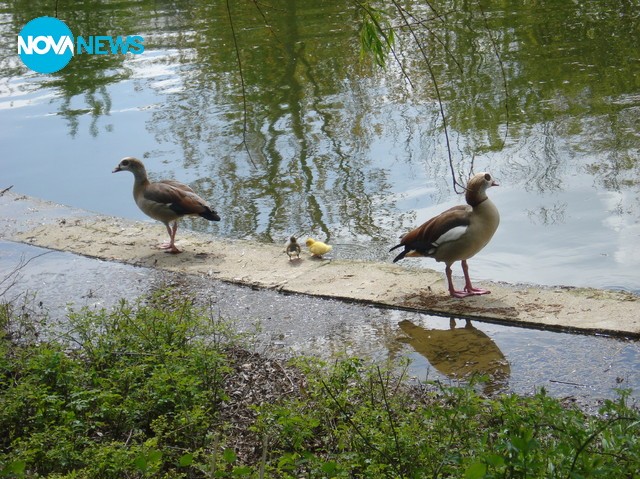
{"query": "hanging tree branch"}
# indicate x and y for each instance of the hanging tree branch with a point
(424, 24)
(434, 80)
(378, 39)
(503, 73)
(244, 93)
(372, 30)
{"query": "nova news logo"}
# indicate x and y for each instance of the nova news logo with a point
(46, 45)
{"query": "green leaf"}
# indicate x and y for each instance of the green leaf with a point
(477, 470)
(329, 467)
(495, 460)
(154, 456)
(15, 467)
(186, 459)
(241, 471)
(375, 36)
(229, 456)
(141, 463)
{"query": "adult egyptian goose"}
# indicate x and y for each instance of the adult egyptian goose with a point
(166, 201)
(457, 234)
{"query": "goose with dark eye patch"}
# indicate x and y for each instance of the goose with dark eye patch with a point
(457, 234)
(166, 201)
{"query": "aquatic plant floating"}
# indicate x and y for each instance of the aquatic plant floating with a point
(456, 234)
(166, 201)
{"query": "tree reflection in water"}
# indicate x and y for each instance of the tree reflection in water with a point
(340, 148)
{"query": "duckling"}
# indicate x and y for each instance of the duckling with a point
(317, 248)
(457, 234)
(293, 248)
(166, 201)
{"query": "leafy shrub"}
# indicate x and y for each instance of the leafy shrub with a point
(115, 389)
(361, 421)
(150, 390)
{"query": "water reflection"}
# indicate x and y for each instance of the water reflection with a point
(460, 352)
(299, 176)
(340, 149)
(81, 88)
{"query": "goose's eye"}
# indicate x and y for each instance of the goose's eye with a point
(487, 177)
(124, 162)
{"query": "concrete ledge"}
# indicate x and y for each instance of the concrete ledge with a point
(40, 223)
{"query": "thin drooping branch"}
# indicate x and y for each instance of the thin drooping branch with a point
(424, 24)
(265, 20)
(503, 73)
(388, 39)
(242, 85)
(410, 23)
(436, 87)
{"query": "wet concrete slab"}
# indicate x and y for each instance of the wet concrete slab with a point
(40, 223)
(48, 286)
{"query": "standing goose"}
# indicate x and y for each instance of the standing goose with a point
(457, 234)
(166, 201)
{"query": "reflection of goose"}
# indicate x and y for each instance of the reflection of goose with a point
(459, 352)
(457, 234)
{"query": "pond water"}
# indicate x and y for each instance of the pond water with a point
(47, 284)
(304, 135)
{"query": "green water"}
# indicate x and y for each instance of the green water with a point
(270, 111)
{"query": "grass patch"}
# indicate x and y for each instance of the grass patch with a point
(162, 389)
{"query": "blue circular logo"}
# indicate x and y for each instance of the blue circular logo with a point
(45, 44)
